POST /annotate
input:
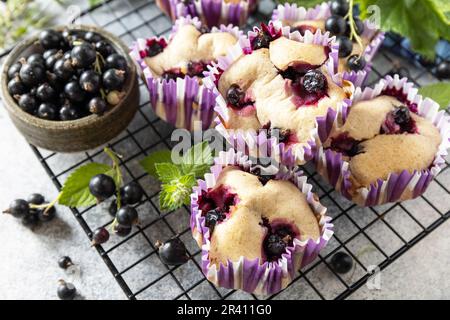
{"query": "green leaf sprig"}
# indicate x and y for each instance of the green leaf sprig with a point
(439, 92)
(177, 180)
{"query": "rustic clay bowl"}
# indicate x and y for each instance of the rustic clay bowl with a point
(77, 135)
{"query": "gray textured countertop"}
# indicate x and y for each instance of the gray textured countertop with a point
(29, 259)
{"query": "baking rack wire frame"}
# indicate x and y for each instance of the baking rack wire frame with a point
(325, 193)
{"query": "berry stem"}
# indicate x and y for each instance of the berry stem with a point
(118, 173)
(46, 206)
(353, 33)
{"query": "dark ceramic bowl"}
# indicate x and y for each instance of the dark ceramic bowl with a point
(77, 135)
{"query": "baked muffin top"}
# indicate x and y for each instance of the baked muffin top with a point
(189, 52)
(383, 135)
(282, 85)
(255, 216)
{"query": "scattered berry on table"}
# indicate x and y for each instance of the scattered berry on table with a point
(65, 262)
(46, 215)
(113, 208)
(173, 252)
(102, 186)
(36, 198)
(18, 208)
(66, 290)
(127, 216)
(122, 231)
(30, 220)
(341, 262)
(100, 236)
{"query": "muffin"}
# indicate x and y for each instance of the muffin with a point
(324, 18)
(173, 70)
(389, 147)
(277, 85)
(256, 228)
(211, 12)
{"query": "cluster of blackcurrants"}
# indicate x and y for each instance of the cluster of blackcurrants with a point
(31, 217)
(76, 74)
(339, 26)
(103, 187)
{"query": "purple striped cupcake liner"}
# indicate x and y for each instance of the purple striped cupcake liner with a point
(291, 13)
(256, 143)
(256, 276)
(398, 186)
(211, 12)
(180, 102)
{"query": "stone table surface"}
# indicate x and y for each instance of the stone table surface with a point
(29, 270)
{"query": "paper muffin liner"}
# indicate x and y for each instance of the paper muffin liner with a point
(184, 101)
(255, 276)
(211, 12)
(398, 186)
(256, 143)
(290, 13)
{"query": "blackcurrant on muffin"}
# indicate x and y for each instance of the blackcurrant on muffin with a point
(256, 223)
(210, 12)
(174, 70)
(391, 140)
(280, 85)
(358, 41)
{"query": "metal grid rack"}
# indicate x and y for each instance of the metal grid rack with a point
(374, 236)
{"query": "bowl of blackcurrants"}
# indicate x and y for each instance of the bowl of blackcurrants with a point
(70, 88)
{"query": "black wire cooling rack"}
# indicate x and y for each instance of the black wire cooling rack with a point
(374, 237)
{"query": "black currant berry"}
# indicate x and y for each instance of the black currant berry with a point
(131, 193)
(50, 61)
(113, 79)
(50, 39)
(74, 92)
(314, 81)
(116, 61)
(36, 58)
(45, 92)
(28, 103)
(339, 7)
(235, 95)
(102, 186)
(341, 262)
(336, 25)
(122, 231)
(14, 70)
(36, 198)
(47, 111)
(66, 290)
(127, 216)
(46, 215)
(83, 55)
(113, 208)
(345, 46)
(30, 220)
(104, 48)
(63, 69)
(18, 208)
(443, 70)
(356, 63)
(32, 74)
(65, 262)
(275, 246)
(69, 113)
(100, 236)
(173, 252)
(90, 81)
(16, 86)
(92, 37)
(48, 53)
(97, 105)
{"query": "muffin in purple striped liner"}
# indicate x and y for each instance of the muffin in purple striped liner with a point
(275, 116)
(301, 19)
(173, 70)
(256, 225)
(211, 12)
(390, 146)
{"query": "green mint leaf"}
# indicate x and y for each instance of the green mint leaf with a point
(148, 163)
(177, 193)
(167, 172)
(439, 92)
(304, 3)
(424, 22)
(75, 192)
(197, 160)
